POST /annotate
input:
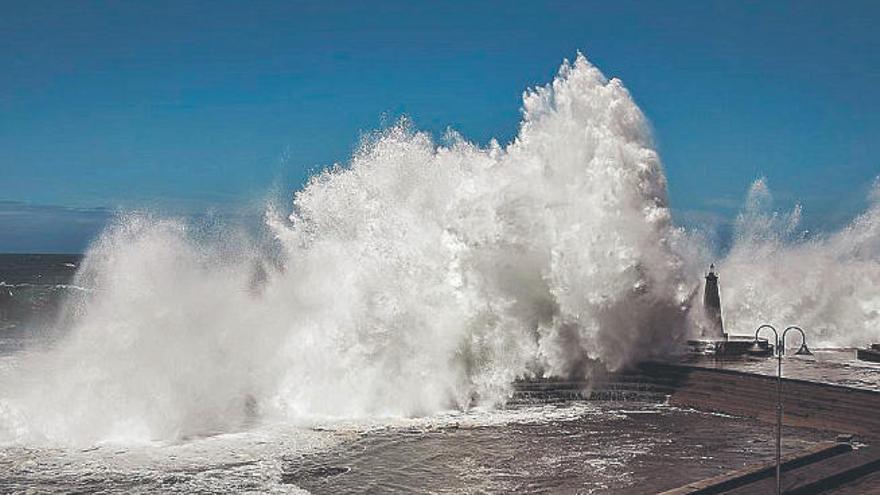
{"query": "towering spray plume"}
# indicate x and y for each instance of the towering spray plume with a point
(418, 278)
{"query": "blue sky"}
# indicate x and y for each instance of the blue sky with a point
(188, 107)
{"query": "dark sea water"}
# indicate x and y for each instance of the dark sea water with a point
(32, 290)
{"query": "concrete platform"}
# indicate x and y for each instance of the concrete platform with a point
(832, 394)
(732, 347)
(806, 403)
(826, 474)
(757, 472)
(829, 366)
(811, 404)
(871, 354)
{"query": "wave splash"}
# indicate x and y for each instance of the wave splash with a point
(828, 284)
(419, 278)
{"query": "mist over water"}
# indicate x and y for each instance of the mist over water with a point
(419, 278)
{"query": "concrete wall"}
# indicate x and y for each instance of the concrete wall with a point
(805, 404)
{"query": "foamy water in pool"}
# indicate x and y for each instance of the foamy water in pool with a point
(583, 447)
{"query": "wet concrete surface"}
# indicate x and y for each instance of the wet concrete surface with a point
(831, 366)
(868, 485)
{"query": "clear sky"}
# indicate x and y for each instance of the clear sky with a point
(193, 107)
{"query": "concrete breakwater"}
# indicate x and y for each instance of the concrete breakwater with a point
(832, 408)
(807, 404)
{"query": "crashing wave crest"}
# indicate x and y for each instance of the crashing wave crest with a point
(421, 277)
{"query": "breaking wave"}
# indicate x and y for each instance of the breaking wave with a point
(420, 277)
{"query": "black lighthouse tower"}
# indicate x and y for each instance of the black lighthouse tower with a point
(714, 341)
(712, 306)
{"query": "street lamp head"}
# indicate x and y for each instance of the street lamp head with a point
(803, 351)
(773, 348)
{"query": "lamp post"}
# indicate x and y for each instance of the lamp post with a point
(779, 351)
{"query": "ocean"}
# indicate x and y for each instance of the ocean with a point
(32, 290)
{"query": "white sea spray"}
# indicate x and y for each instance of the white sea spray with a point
(423, 277)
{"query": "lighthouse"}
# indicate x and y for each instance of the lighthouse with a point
(713, 340)
(712, 307)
